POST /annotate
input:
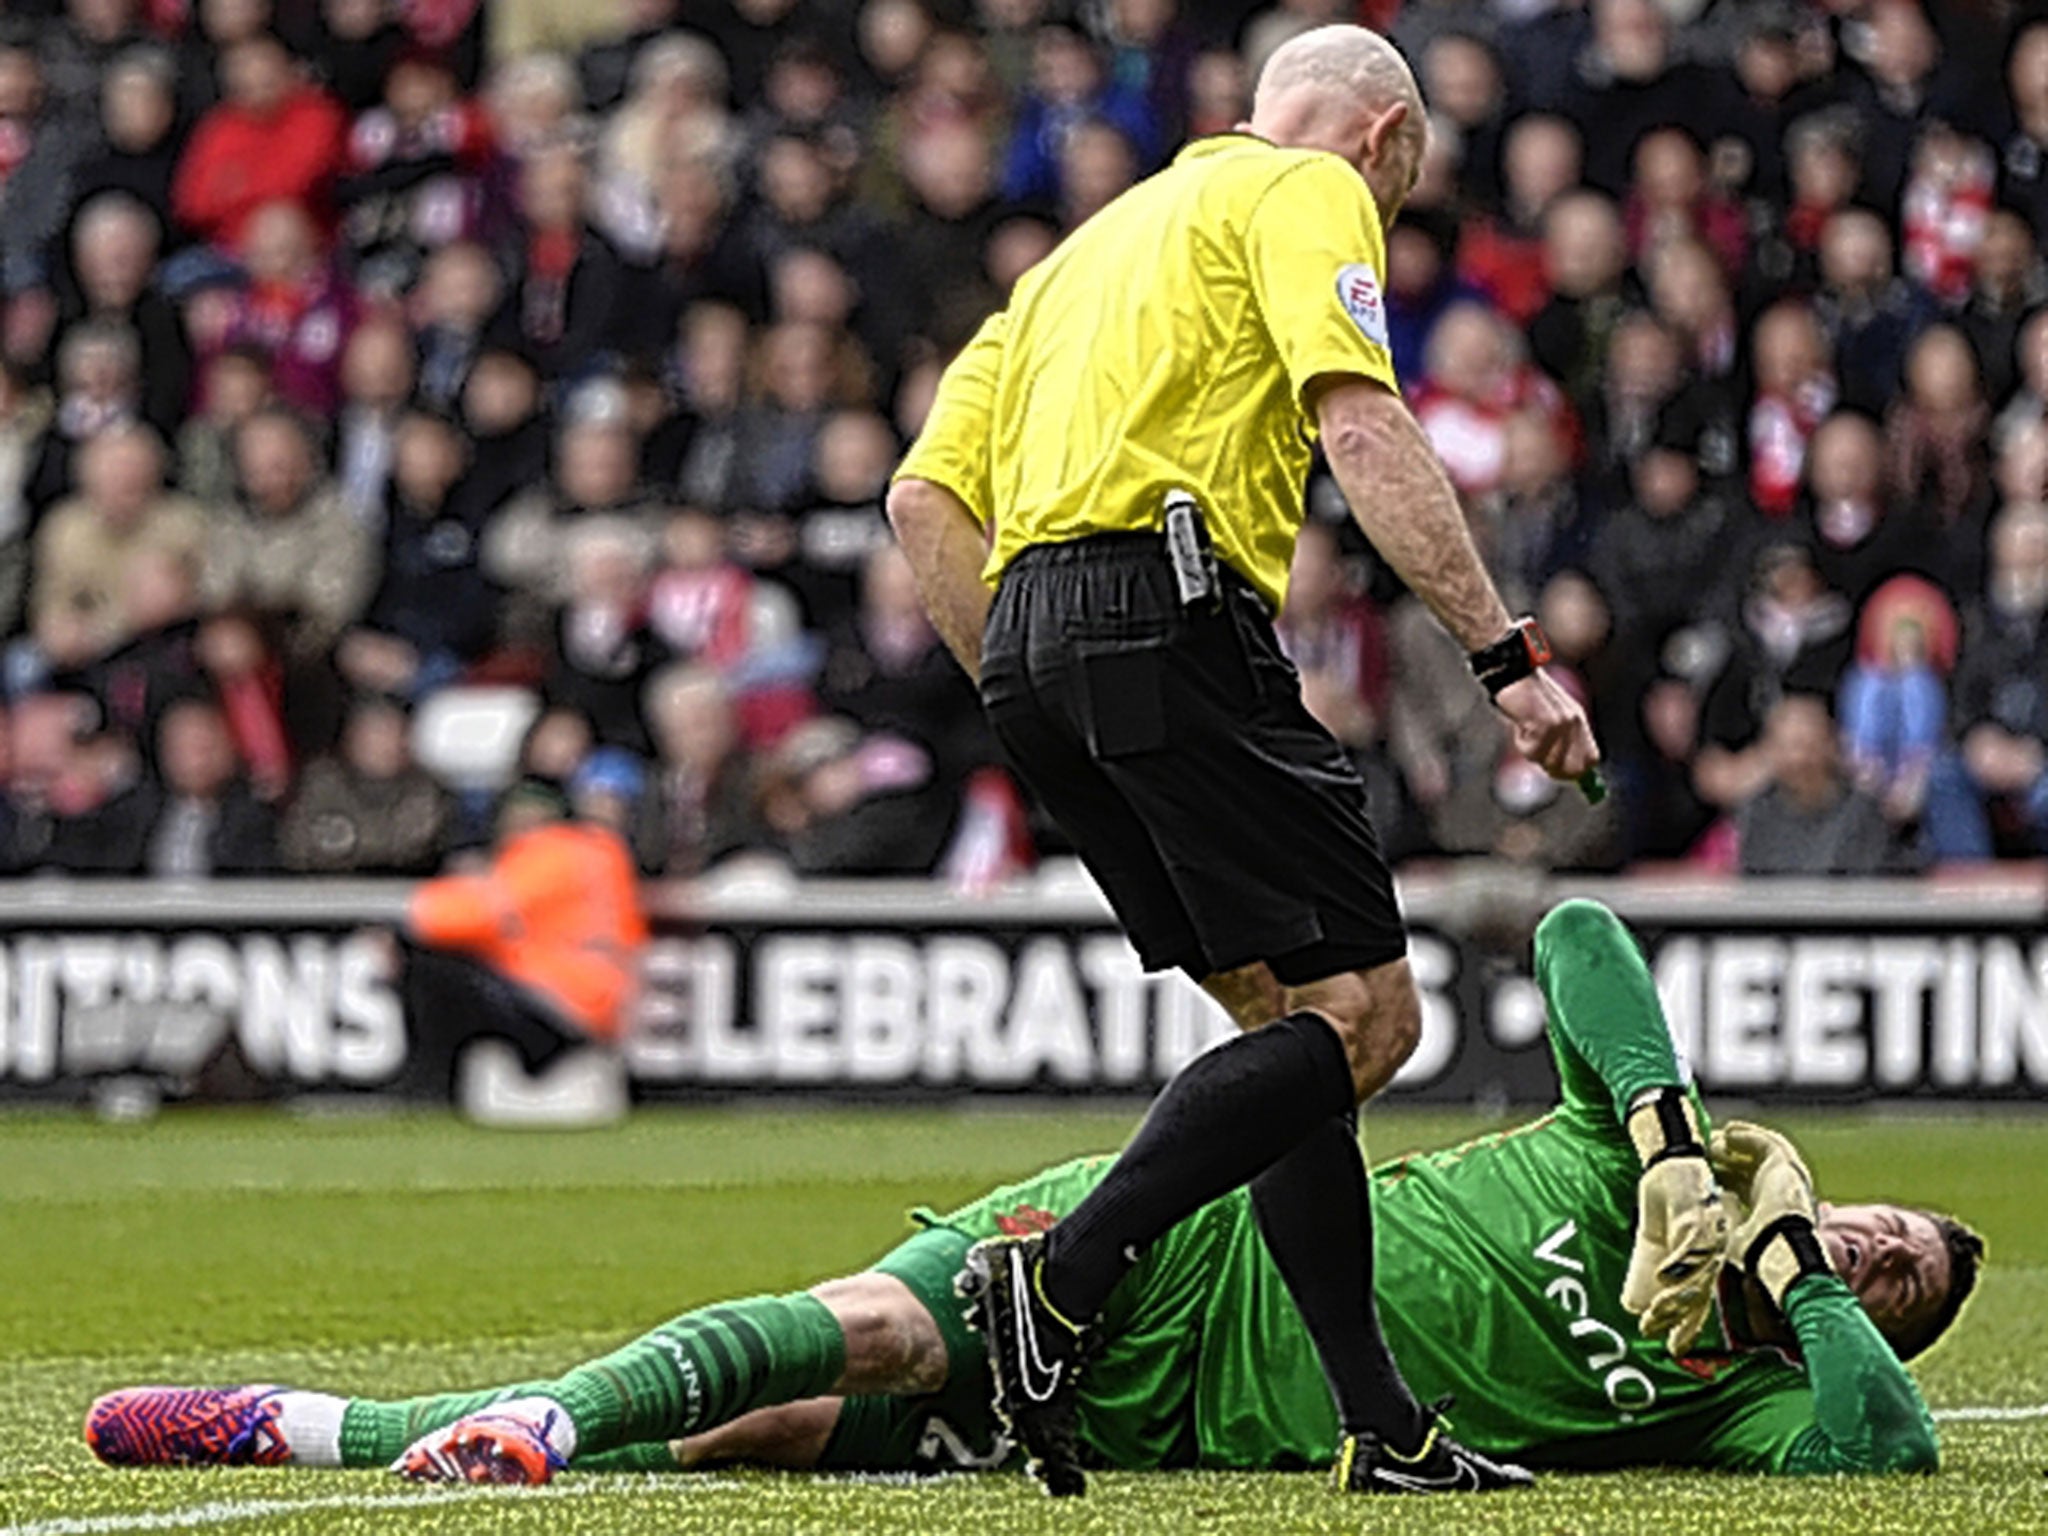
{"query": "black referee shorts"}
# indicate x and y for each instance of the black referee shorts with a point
(1222, 821)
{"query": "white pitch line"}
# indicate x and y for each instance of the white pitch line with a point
(235, 1511)
(1968, 1416)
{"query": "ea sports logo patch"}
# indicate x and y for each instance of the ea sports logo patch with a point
(1358, 290)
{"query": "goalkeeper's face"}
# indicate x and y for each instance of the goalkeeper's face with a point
(1895, 1260)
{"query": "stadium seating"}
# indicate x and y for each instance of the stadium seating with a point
(537, 371)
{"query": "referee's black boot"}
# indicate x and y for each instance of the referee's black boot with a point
(1034, 1353)
(1367, 1464)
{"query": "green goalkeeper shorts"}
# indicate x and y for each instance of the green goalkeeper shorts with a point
(954, 1428)
(951, 1430)
(1138, 1396)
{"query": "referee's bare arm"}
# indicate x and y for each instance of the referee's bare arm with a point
(941, 503)
(946, 548)
(1401, 497)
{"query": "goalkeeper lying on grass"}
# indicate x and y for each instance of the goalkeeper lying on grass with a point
(1502, 1270)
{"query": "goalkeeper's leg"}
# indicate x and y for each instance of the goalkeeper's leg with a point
(1597, 986)
(1614, 1046)
(866, 1334)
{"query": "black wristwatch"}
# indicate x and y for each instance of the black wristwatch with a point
(1514, 656)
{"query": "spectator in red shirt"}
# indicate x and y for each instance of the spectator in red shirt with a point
(1476, 378)
(1795, 390)
(707, 608)
(274, 138)
(1504, 255)
(701, 603)
(1672, 199)
(1946, 212)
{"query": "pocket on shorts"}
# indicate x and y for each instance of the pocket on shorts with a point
(1123, 696)
(1273, 682)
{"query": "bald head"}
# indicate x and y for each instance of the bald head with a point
(1349, 91)
(1348, 64)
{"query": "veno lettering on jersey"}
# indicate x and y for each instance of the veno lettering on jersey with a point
(1626, 1387)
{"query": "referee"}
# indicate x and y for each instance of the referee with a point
(1121, 455)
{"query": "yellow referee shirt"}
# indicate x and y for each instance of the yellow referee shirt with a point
(953, 448)
(1168, 344)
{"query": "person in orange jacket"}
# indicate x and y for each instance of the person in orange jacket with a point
(541, 949)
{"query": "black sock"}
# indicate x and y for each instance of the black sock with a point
(1227, 1115)
(1315, 1211)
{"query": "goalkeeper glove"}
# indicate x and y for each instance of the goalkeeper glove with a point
(1777, 1245)
(1740, 1149)
(1681, 1225)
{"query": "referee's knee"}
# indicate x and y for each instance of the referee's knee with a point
(1377, 1015)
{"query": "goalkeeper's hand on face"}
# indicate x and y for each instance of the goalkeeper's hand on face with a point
(1776, 1244)
(1681, 1224)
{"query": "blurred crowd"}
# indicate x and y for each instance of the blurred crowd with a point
(538, 368)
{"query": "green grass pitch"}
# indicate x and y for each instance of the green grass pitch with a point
(393, 1255)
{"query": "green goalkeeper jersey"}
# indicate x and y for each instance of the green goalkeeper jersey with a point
(1500, 1268)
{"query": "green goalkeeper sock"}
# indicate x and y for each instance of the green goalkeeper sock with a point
(1602, 1001)
(698, 1371)
(373, 1433)
(703, 1369)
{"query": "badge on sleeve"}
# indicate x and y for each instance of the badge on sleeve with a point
(1358, 290)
